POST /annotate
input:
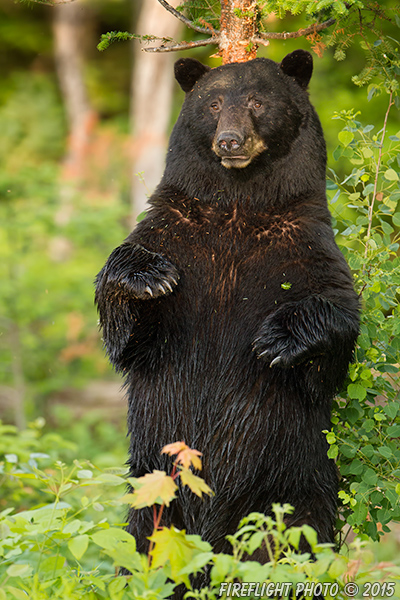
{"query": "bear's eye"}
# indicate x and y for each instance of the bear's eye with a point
(214, 107)
(257, 104)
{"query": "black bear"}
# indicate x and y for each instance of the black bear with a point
(229, 309)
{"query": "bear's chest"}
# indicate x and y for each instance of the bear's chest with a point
(234, 267)
(225, 238)
(231, 255)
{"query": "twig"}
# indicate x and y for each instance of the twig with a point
(258, 40)
(51, 3)
(183, 45)
(182, 18)
(270, 35)
(378, 166)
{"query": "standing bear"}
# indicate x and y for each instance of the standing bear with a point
(230, 310)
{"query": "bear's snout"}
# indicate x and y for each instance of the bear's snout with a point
(236, 149)
(229, 141)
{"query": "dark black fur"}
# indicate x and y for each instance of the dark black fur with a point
(230, 310)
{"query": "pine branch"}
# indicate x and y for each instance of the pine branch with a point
(315, 28)
(184, 20)
(183, 45)
(122, 36)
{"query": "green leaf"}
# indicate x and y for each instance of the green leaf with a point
(255, 542)
(78, 545)
(112, 537)
(391, 175)
(19, 570)
(356, 391)
(294, 535)
(392, 408)
(345, 137)
(368, 425)
(331, 437)
(385, 452)
(18, 594)
(177, 548)
(72, 527)
(393, 431)
(198, 563)
(367, 152)
(360, 514)
(110, 479)
(338, 567)
(311, 535)
(333, 451)
(120, 546)
(84, 474)
(396, 219)
(337, 153)
(370, 477)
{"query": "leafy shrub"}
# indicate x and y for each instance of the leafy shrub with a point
(365, 438)
(70, 542)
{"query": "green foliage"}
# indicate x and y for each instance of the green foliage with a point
(202, 14)
(51, 245)
(311, 7)
(66, 542)
(31, 122)
(122, 36)
(367, 417)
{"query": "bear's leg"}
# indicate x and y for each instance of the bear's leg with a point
(298, 331)
(133, 271)
(130, 275)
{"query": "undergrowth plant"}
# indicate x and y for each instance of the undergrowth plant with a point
(69, 544)
(365, 437)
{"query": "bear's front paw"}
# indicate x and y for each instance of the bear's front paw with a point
(154, 283)
(134, 272)
(278, 347)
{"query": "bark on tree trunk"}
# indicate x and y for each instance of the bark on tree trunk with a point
(152, 89)
(68, 27)
(238, 26)
(18, 377)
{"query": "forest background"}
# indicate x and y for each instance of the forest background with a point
(83, 135)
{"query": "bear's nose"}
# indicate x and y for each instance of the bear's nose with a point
(229, 141)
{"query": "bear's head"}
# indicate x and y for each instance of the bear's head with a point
(243, 122)
(246, 109)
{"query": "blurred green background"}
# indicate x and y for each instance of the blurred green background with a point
(71, 137)
(82, 139)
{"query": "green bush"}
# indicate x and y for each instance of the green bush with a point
(365, 437)
(69, 543)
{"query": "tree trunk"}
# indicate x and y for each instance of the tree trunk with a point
(18, 377)
(152, 90)
(68, 28)
(238, 26)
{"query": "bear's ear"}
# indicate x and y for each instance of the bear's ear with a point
(188, 71)
(299, 65)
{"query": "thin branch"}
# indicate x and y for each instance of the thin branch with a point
(378, 166)
(182, 18)
(52, 3)
(269, 35)
(261, 42)
(183, 45)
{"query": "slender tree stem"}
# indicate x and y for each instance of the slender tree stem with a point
(378, 166)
